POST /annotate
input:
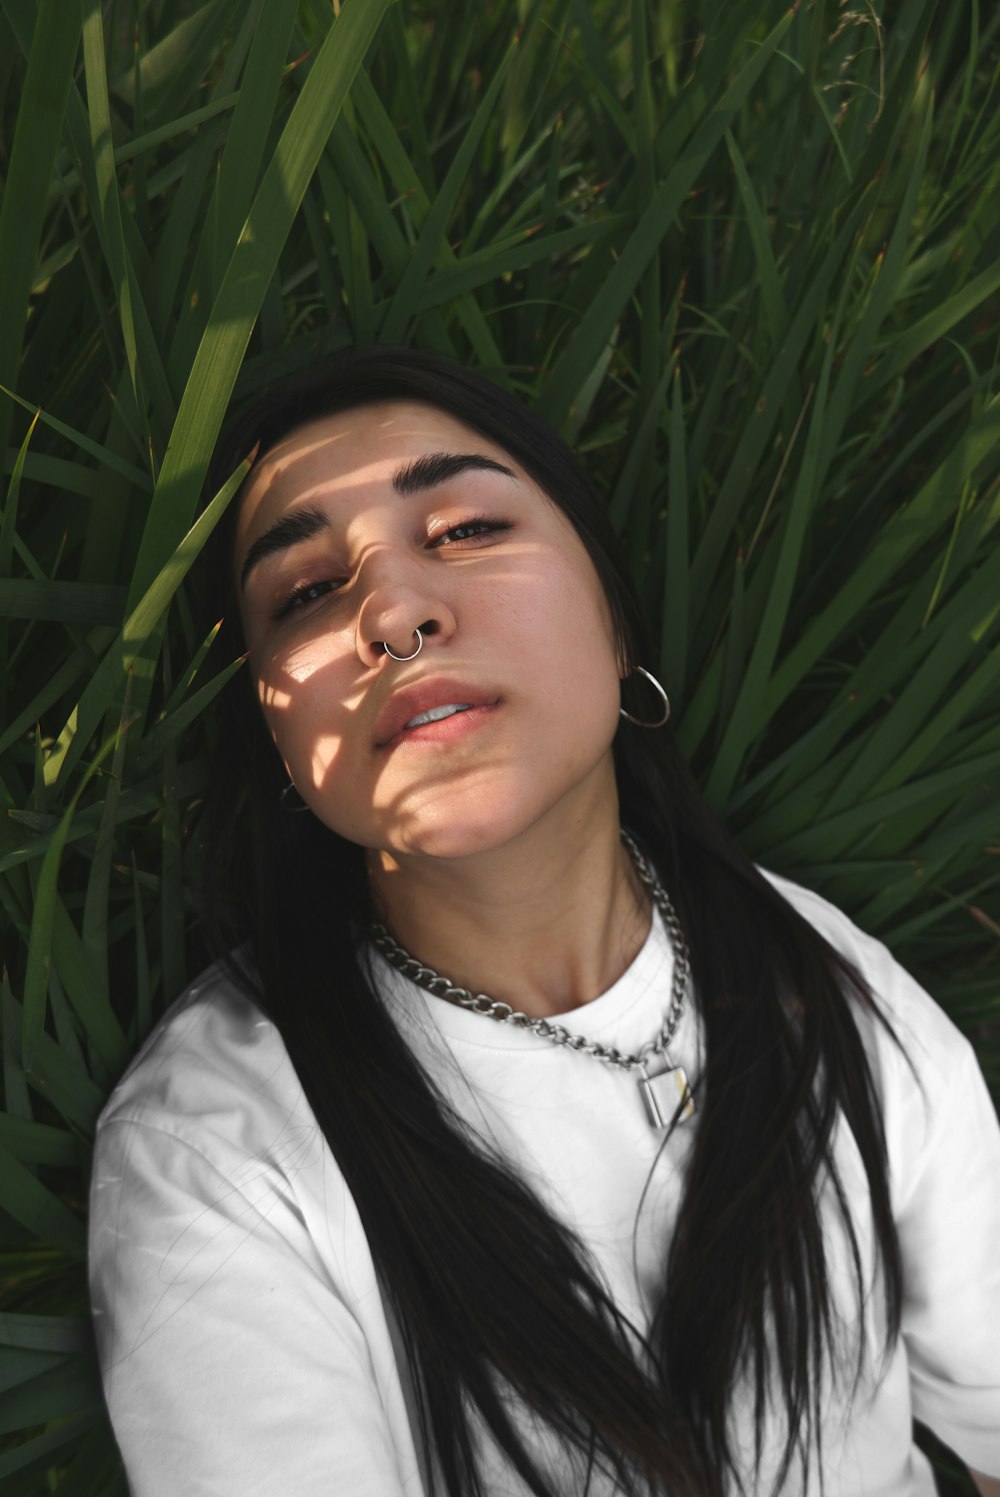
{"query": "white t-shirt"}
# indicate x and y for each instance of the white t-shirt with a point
(245, 1344)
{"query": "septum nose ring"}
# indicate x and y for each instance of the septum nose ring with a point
(420, 645)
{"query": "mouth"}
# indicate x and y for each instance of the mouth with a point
(444, 725)
(432, 712)
(436, 715)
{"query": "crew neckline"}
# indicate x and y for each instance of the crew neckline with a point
(642, 991)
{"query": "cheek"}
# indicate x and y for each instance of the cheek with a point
(307, 706)
(580, 628)
(568, 640)
(275, 703)
(274, 700)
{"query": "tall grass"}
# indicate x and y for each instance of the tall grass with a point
(746, 257)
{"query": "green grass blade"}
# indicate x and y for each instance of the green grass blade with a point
(248, 133)
(43, 1449)
(65, 1390)
(112, 673)
(37, 136)
(739, 721)
(61, 602)
(762, 418)
(245, 283)
(108, 206)
(585, 347)
(58, 1335)
(174, 66)
(84, 443)
(772, 294)
(51, 692)
(36, 1143)
(674, 635)
(48, 925)
(95, 907)
(24, 1198)
(15, 1087)
(167, 732)
(402, 307)
(902, 534)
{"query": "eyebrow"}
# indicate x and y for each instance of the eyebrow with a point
(291, 531)
(425, 472)
(437, 467)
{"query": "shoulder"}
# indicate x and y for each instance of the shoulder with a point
(236, 1307)
(208, 1146)
(212, 1077)
(211, 1048)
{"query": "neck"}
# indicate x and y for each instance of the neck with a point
(547, 922)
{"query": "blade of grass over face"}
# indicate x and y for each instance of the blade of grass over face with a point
(245, 281)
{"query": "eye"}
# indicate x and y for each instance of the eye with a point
(302, 595)
(469, 530)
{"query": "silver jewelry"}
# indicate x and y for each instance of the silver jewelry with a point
(285, 798)
(420, 645)
(666, 704)
(666, 1093)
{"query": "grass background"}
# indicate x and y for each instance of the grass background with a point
(745, 256)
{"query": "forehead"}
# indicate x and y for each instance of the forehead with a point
(345, 454)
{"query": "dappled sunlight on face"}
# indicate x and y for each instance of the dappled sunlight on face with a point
(302, 663)
(272, 698)
(324, 759)
(518, 665)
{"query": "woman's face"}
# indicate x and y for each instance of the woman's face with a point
(360, 528)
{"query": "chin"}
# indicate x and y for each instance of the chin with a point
(459, 827)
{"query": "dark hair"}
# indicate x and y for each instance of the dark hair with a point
(746, 1289)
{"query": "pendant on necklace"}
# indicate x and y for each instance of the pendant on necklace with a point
(666, 1094)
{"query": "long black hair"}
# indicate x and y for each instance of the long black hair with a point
(491, 1293)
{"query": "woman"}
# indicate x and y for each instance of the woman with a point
(711, 1208)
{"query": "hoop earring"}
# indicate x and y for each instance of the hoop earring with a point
(286, 801)
(666, 702)
(420, 645)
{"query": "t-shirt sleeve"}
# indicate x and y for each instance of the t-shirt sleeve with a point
(231, 1364)
(943, 1141)
(948, 1218)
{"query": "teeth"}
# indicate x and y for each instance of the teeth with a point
(437, 713)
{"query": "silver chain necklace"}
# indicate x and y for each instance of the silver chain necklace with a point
(665, 1092)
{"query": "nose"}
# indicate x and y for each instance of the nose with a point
(398, 601)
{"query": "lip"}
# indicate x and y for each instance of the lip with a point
(423, 696)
